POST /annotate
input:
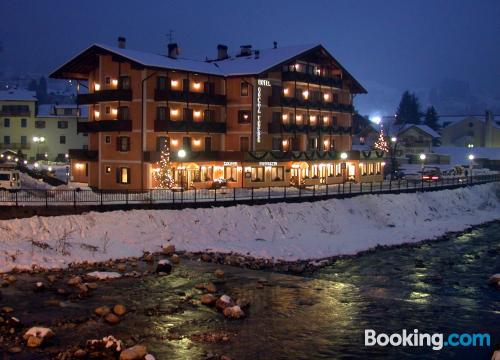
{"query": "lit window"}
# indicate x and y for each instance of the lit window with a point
(244, 89)
(258, 174)
(124, 175)
(108, 169)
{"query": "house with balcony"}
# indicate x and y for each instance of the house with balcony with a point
(270, 117)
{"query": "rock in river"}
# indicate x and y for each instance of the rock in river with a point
(137, 352)
(164, 266)
(36, 336)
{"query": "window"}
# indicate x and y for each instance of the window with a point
(24, 123)
(244, 117)
(230, 173)
(276, 144)
(334, 121)
(257, 174)
(108, 109)
(277, 173)
(70, 111)
(62, 124)
(123, 143)
(162, 143)
(244, 89)
(107, 139)
(108, 80)
(108, 169)
(62, 139)
(162, 113)
(188, 114)
(123, 113)
(123, 175)
(313, 143)
(162, 83)
(24, 140)
(6, 139)
(16, 110)
(209, 115)
(40, 124)
(244, 144)
(208, 143)
(209, 87)
(6, 123)
(186, 143)
(124, 82)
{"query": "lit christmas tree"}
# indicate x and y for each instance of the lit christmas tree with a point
(164, 174)
(381, 144)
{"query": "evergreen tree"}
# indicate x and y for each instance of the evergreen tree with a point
(408, 111)
(41, 91)
(33, 86)
(164, 174)
(431, 118)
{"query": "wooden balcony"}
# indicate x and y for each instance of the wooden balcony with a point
(18, 146)
(103, 126)
(190, 97)
(83, 155)
(278, 128)
(292, 102)
(311, 78)
(190, 126)
(104, 95)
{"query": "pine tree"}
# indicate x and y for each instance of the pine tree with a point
(381, 143)
(431, 118)
(164, 174)
(41, 92)
(408, 111)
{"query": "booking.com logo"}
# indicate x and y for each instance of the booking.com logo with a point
(415, 338)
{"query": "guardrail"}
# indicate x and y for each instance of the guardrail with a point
(165, 198)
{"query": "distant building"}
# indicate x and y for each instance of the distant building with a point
(472, 131)
(415, 139)
(38, 132)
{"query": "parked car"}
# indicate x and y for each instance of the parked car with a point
(430, 173)
(9, 179)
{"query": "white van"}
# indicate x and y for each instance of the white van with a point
(9, 179)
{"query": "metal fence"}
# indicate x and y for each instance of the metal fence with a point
(207, 197)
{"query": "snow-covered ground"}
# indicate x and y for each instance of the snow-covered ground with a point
(309, 230)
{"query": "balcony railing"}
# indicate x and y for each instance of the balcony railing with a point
(83, 155)
(104, 95)
(189, 96)
(309, 104)
(277, 128)
(16, 146)
(311, 78)
(104, 126)
(14, 113)
(190, 126)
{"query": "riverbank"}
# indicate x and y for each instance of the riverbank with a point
(268, 234)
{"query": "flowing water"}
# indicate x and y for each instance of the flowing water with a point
(437, 286)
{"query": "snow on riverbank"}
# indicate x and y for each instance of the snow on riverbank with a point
(308, 230)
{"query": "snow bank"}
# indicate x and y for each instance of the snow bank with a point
(309, 230)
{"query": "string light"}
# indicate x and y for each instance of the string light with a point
(164, 175)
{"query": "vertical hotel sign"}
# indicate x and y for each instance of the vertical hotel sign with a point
(261, 83)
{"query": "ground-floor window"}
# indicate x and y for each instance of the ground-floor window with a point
(277, 173)
(123, 175)
(258, 174)
(206, 173)
(230, 173)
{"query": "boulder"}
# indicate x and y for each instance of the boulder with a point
(210, 287)
(148, 257)
(243, 303)
(137, 352)
(121, 267)
(74, 280)
(168, 249)
(223, 302)
(36, 336)
(219, 273)
(119, 309)
(102, 311)
(164, 266)
(206, 257)
(149, 357)
(494, 280)
(208, 299)
(233, 312)
(80, 354)
(175, 259)
(112, 319)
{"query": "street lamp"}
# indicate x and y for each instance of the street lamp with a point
(471, 159)
(422, 159)
(181, 154)
(37, 140)
(343, 156)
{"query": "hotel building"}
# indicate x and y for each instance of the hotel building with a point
(273, 117)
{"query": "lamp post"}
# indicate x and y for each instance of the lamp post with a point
(471, 159)
(393, 145)
(181, 154)
(422, 159)
(38, 140)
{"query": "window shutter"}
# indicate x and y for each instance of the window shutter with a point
(128, 175)
(117, 175)
(128, 143)
(118, 141)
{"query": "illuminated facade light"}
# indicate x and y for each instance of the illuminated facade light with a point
(97, 87)
(305, 94)
(285, 91)
(326, 97)
(197, 85)
(284, 117)
(114, 112)
(114, 82)
(174, 83)
(174, 112)
(196, 142)
(197, 113)
(181, 153)
(174, 142)
(343, 156)
(325, 120)
(97, 114)
(299, 118)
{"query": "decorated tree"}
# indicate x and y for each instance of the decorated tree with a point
(164, 174)
(381, 143)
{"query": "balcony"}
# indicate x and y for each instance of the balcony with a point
(311, 78)
(154, 156)
(26, 113)
(19, 146)
(104, 95)
(278, 128)
(279, 101)
(190, 126)
(190, 97)
(83, 155)
(104, 126)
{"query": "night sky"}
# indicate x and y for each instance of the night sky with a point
(393, 45)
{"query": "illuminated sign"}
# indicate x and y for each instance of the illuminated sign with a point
(258, 131)
(268, 163)
(230, 163)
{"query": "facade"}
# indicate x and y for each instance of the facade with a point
(273, 117)
(43, 132)
(473, 131)
(416, 139)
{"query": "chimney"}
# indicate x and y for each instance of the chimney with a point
(173, 50)
(488, 129)
(245, 50)
(121, 42)
(275, 44)
(221, 52)
(257, 54)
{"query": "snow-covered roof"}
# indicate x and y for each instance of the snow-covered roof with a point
(267, 59)
(455, 121)
(18, 95)
(423, 128)
(460, 155)
(49, 110)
